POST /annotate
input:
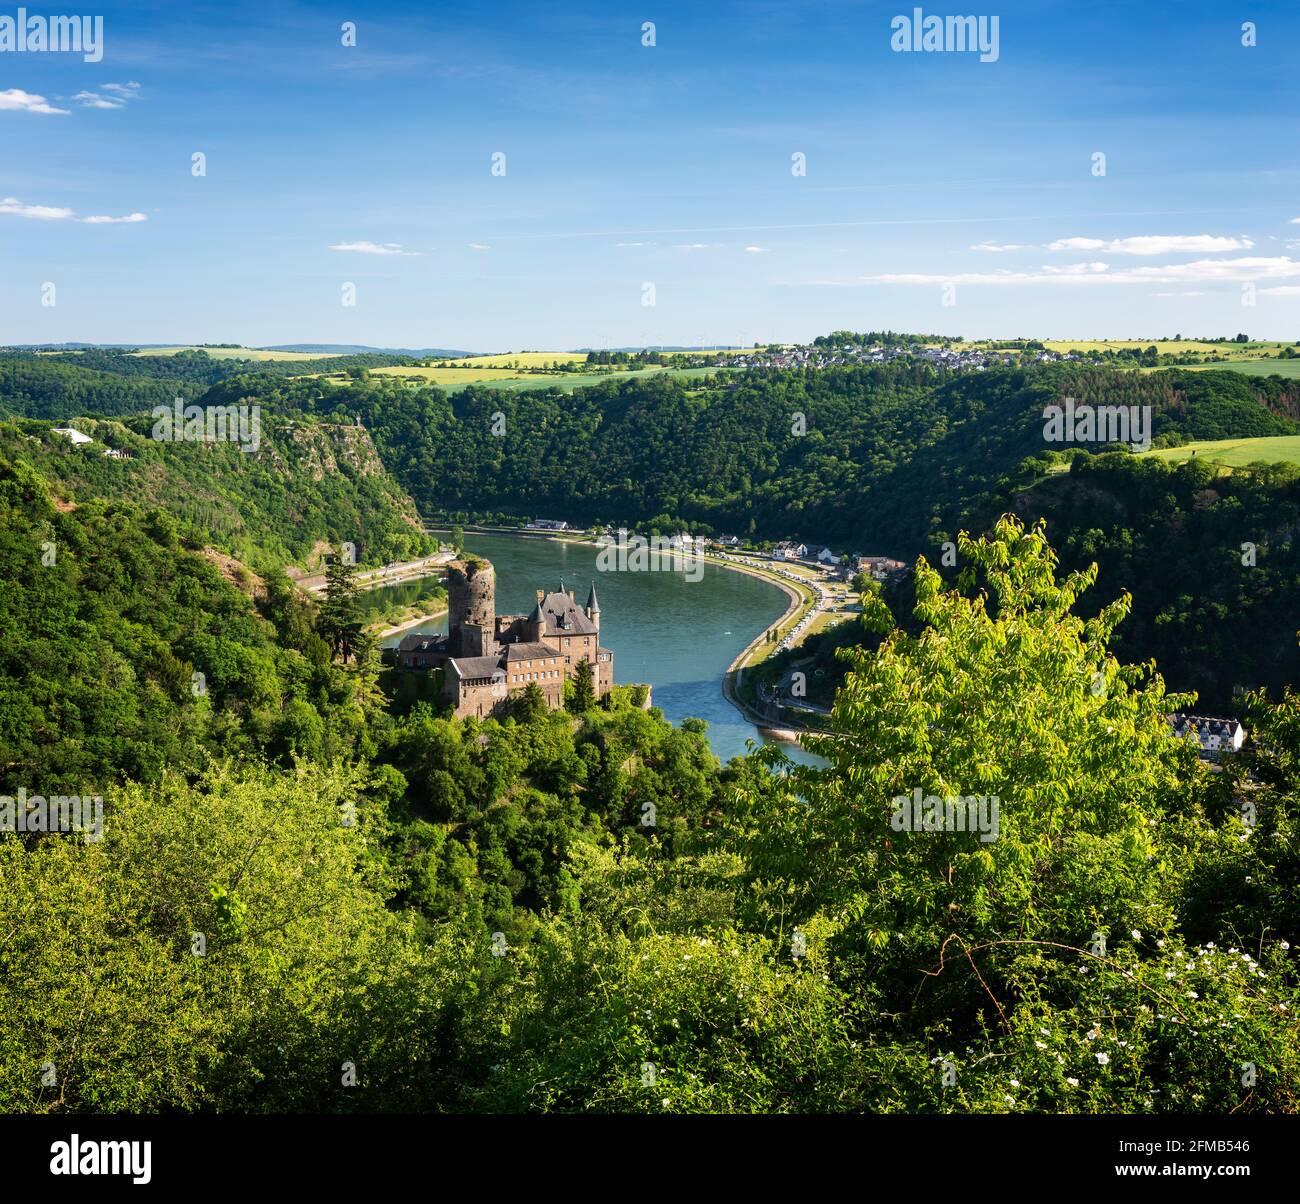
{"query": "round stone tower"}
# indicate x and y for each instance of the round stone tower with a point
(471, 607)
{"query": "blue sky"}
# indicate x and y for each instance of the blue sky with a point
(669, 165)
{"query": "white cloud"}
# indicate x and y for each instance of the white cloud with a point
(479, 246)
(1193, 292)
(756, 250)
(93, 100)
(691, 246)
(51, 213)
(634, 244)
(1295, 221)
(1076, 244)
(1197, 272)
(118, 95)
(17, 101)
(365, 247)
(1154, 244)
(1281, 290)
(998, 247)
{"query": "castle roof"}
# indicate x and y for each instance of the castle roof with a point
(564, 617)
(422, 643)
(474, 666)
(529, 652)
(592, 604)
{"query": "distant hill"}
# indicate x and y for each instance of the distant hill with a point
(321, 349)
(324, 349)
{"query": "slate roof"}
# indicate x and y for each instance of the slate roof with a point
(474, 666)
(564, 617)
(530, 652)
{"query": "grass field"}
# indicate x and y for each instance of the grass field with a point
(522, 359)
(232, 353)
(1220, 351)
(1289, 368)
(1233, 453)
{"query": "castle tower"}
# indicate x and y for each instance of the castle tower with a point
(593, 607)
(471, 607)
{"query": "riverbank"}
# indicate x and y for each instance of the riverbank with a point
(733, 679)
(407, 624)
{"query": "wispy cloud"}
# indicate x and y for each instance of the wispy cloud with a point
(756, 250)
(53, 213)
(364, 247)
(1199, 271)
(479, 246)
(1154, 244)
(15, 100)
(691, 246)
(110, 96)
(999, 247)
(1281, 290)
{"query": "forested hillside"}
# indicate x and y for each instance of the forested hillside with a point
(307, 483)
(128, 652)
(888, 454)
(109, 383)
(1211, 559)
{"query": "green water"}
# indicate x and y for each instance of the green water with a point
(679, 635)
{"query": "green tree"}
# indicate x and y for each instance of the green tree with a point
(339, 621)
(584, 689)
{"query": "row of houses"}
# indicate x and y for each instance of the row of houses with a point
(881, 568)
(1213, 737)
(956, 357)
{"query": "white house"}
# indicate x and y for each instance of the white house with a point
(1213, 736)
(71, 435)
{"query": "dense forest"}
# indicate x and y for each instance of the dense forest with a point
(110, 383)
(888, 454)
(309, 483)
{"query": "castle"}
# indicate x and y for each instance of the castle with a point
(488, 657)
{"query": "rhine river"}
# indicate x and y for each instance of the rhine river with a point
(677, 634)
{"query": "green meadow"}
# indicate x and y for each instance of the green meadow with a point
(1235, 453)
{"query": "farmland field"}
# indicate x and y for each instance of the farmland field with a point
(1255, 367)
(1275, 449)
(1222, 351)
(521, 359)
(231, 353)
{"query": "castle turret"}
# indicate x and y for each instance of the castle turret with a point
(593, 607)
(471, 608)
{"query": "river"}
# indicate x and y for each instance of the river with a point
(677, 634)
